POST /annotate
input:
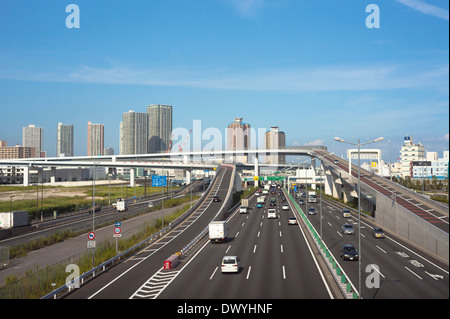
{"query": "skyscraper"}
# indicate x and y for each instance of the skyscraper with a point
(64, 140)
(159, 127)
(32, 136)
(95, 139)
(134, 133)
(275, 139)
(238, 135)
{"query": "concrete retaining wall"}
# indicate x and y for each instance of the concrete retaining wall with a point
(405, 224)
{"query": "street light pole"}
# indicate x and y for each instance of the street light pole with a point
(359, 144)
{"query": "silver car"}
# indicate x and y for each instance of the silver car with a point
(378, 232)
(348, 229)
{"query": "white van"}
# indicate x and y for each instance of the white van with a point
(243, 210)
(271, 213)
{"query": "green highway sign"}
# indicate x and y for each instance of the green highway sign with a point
(275, 178)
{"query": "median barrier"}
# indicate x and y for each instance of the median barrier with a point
(332, 264)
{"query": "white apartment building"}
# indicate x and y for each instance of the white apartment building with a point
(410, 152)
(429, 169)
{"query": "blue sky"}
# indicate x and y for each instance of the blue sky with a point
(312, 68)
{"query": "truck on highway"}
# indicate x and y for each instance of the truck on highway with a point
(121, 205)
(312, 197)
(218, 231)
(13, 219)
(244, 206)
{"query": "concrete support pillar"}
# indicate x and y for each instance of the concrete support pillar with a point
(314, 175)
(188, 176)
(132, 173)
(237, 182)
(256, 169)
(26, 176)
(328, 183)
(52, 175)
(349, 155)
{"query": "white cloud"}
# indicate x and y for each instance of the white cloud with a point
(316, 142)
(426, 8)
(444, 138)
(346, 78)
(321, 79)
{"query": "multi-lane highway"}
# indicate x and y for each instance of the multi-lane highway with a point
(403, 270)
(276, 262)
(125, 279)
(276, 259)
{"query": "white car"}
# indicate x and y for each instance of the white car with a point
(285, 207)
(346, 213)
(243, 210)
(293, 221)
(230, 264)
(271, 213)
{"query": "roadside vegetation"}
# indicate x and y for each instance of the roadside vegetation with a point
(40, 204)
(37, 283)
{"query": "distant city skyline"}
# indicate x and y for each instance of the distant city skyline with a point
(314, 69)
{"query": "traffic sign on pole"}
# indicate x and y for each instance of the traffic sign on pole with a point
(91, 235)
(117, 232)
(159, 180)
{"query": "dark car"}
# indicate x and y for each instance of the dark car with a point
(216, 199)
(97, 209)
(301, 201)
(348, 252)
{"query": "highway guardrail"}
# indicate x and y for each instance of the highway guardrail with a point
(341, 279)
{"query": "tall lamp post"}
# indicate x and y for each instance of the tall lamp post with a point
(359, 144)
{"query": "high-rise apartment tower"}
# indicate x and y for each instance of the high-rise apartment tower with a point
(95, 139)
(159, 127)
(134, 133)
(64, 140)
(32, 136)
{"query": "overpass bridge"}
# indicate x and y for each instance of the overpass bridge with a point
(409, 215)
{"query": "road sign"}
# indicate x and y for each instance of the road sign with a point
(91, 235)
(117, 232)
(159, 180)
(91, 244)
(118, 224)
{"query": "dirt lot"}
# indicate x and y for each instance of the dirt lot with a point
(48, 192)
